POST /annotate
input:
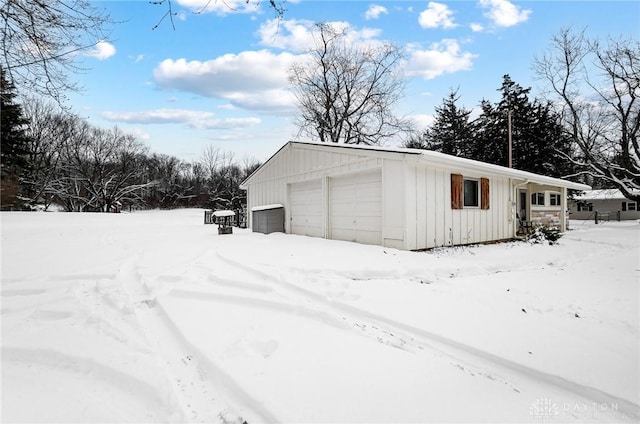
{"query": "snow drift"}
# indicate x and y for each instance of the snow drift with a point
(153, 316)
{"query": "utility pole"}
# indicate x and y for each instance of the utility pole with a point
(509, 132)
(506, 89)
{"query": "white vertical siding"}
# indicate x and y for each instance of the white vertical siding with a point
(296, 163)
(443, 207)
(437, 224)
(393, 207)
(422, 230)
(415, 204)
(430, 208)
(410, 202)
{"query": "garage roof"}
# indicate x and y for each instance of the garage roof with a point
(431, 157)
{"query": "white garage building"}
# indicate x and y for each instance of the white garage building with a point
(404, 198)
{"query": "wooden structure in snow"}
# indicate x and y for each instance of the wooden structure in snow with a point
(224, 219)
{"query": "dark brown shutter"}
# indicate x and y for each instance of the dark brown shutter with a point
(484, 193)
(456, 191)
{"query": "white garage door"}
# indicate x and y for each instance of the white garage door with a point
(305, 200)
(355, 207)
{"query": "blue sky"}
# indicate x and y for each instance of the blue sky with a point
(220, 77)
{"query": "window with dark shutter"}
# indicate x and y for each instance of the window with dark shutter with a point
(471, 194)
(456, 191)
(484, 193)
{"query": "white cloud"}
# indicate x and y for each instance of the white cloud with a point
(103, 50)
(226, 123)
(375, 11)
(138, 133)
(298, 35)
(436, 15)
(136, 59)
(193, 118)
(256, 80)
(421, 121)
(220, 7)
(158, 116)
(227, 106)
(291, 34)
(276, 99)
(475, 27)
(503, 13)
(443, 57)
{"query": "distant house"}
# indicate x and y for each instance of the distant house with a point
(404, 198)
(609, 203)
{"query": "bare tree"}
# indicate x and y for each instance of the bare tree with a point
(346, 92)
(48, 130)
(111, 169)
(231, 5)
(100, 169)
(211, 159)
(41, 39)
(68, 186)
(597, 88)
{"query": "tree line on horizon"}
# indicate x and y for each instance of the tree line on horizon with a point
(52, 157)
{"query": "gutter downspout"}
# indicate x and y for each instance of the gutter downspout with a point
(514, 203)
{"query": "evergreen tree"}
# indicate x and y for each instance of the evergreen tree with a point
(13, 151)
(489, 136)
(451, 132)
(13, 147)
(538, 142)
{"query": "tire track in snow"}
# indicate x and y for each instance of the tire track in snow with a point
(251, 302)
(457, 351)
(214, 379)
(206, 393)
(90, 369)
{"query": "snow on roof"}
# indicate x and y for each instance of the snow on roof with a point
(603, 194)
(430, 156)
(265, 207)
(222, 213)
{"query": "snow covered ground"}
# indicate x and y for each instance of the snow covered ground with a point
(154, 317)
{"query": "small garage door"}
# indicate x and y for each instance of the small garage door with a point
(305, 200)
(355, 207)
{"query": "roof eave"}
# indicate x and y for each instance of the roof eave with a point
(438, 158)
(453, 161)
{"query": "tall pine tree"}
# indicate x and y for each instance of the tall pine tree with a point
(451, 132)
(13, 147)
(538, 143)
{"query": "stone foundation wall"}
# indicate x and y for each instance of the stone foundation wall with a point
(546, 217)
